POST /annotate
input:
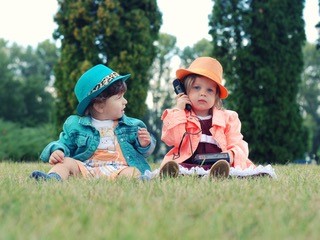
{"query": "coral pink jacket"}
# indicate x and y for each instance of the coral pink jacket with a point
(226, 131)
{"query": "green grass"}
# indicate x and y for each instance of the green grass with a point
(184, 208)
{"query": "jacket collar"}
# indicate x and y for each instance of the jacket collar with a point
(86, 120)
(218, 117)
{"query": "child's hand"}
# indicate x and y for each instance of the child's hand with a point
(144, 137)
(56, 157)
(182, 100)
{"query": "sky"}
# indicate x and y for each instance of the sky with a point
(29, 22)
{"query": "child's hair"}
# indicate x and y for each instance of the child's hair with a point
(118, 87)
(189, 80)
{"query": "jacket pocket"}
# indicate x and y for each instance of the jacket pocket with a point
(129, 135)
(82, 141)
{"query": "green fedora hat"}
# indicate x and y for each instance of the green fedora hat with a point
(93, 82)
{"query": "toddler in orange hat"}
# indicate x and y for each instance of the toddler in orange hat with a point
(205, 139)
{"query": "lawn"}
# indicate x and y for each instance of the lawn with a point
(185, 208)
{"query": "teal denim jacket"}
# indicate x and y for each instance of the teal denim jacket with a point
(79, 140)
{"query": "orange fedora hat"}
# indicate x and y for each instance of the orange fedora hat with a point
(207, 67)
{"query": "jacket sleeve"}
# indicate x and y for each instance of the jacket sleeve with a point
(235, 143)
(148, 150)
(174, 126)
(63, 143)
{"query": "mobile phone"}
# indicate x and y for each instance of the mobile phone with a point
(179, 88)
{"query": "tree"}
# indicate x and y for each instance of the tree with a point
(309, 96)
(8, 95)
(161, 91)
(24, 79)
(117, 33)
(260, 48)
(199, 49)
(318, 27)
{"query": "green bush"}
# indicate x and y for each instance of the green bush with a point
(23, 143)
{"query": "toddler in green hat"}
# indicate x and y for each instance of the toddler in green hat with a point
(101, 141)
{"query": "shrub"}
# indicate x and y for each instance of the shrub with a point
(23, 143)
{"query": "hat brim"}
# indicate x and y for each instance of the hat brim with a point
(82, 106)
(182, 73)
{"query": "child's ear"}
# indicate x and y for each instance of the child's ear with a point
(98, 106)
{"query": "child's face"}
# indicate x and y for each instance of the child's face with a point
(202, 95)
(113, 107)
